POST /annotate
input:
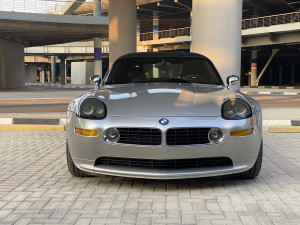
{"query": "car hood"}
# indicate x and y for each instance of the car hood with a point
(163, 99)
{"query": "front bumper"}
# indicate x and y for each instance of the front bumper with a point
(242, 151)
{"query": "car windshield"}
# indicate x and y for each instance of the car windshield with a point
(163, 69)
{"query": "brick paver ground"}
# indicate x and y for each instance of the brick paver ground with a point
(36, 188)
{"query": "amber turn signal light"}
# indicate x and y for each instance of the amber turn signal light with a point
(241, 132)
(85, 132)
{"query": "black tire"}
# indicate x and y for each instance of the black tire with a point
(71, 166)
(254, 171)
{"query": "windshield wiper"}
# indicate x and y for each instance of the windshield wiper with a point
(176, 80)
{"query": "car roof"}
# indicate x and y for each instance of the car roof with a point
(162, 54)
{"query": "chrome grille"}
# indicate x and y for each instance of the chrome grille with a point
(187, 136)
(165, 164)
(139, 136)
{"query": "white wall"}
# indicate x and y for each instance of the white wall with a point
(81, 72)
(31, 73)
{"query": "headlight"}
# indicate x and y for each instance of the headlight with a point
(92, 108)
(236, 109)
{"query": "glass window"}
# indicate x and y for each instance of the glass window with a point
(160, 69)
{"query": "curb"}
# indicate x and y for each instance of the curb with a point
(32, 127)
(285, 129)
(32, 121)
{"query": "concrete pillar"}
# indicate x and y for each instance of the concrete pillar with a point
(155, 26)
(270, 73)
(138, 30)
(191, 22)
(122, 28)
(31, 73)
(97, 42)
(280, 74)
(98, 56)
(253, 67)
(53, 69)
(293, 70)
(217, 33)
(42, 74)
(63, 69)
(12, 66)
(97, 8)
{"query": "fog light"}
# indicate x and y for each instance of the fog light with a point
(111, 135)
(85, 132)
(216, 135)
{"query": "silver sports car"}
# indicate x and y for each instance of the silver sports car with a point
(164, 116)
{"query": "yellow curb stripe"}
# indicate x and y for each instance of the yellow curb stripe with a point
(22, 127)
(285, 129)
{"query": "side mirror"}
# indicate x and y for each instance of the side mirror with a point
(231, 80)
(96, 79)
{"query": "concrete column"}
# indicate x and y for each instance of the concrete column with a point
(253, 67)
(155, 26)
(138, 30)
(63, 69)
(31, 73)
(97, 42)
(12, 66)
(280, 74)
(97, 8)
(270, 73)
(98, 56)
(42, 74)
(293, 70)
(53, 69)
(191, 22)
(122, 28)
(217, 33)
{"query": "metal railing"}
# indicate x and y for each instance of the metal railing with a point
(185, 31)
(267, 21)
(246, 24)
(48, 6)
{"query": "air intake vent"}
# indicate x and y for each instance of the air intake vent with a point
(139, 136)
(165, 164)
(187, 136)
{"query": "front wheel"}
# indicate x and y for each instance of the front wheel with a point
(254, 171)
(71, 166)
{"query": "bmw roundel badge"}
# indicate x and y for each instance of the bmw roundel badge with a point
(163, 121)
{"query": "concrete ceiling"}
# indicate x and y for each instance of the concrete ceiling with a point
(40, 29)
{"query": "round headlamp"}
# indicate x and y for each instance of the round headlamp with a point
(236, 109)
(92, 108)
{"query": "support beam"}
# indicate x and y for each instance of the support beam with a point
(62, 69)
(155, 26)
(254, 67)
(98, 56)
(293, 70)
(97, 42)
(220, 38)
(71, 6)
(274, 52)
(122, 28)
(97, 8)
(53, 69)
(280, 74)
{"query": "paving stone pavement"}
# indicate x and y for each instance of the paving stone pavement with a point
(36, 188)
